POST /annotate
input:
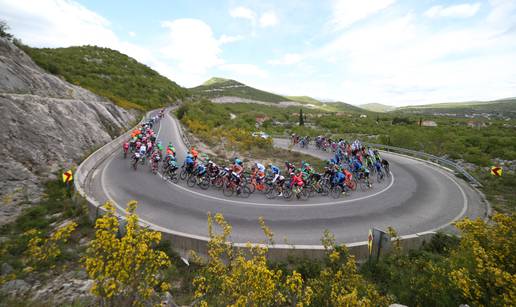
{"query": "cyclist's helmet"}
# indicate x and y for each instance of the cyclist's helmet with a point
(238, 161)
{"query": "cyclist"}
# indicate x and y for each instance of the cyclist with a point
(143, 149)
(171, 150)
(194, 153)
(289, 167)
(297, 179)
(200, 170)
(385, 165)
(278, 179)
(126, 148)
(189, 163)
(339, 179)
(260, 174)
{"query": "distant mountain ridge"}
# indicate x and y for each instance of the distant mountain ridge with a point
(226, 90)
(498, 108)
(219, 87)
(377, 107)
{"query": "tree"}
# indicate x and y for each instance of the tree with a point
(301, 118)
(3, 30)
(125, 268)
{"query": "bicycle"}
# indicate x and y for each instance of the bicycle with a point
(380, 176)
(171, 174)
(230, 188)
(298, 191)
(202, 181)
(338, 190)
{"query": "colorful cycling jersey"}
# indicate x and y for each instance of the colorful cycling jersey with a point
(339, 177)
(189, 160)
(237, 169)
(275, 170)
(201, 169)
(260, 167)
(143, 149)
(357, 165)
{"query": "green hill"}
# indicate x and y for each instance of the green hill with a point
(218, 87)
(498, 108)
(377, 107)
(304, 100)
(111, 74)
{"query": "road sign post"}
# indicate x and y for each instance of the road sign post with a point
(496, 171)
(67, 179)
(380, 243)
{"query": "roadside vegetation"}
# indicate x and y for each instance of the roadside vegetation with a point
(130, 265)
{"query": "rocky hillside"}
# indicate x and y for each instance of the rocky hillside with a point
(48, 124)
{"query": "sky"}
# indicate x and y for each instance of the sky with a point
(395, 52)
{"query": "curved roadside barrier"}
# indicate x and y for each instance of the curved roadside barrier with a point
(184, 242)
(425, 156)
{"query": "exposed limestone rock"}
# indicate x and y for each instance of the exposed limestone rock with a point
(48, 124)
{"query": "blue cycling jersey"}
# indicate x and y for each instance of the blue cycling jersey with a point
(357, 165)
(275, 169)
(189, 160)
(339, 177)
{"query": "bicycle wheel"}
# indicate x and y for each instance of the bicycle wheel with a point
(352, 185)
(218, 182)
(251, 187)
(244, 191)
(310, 191)
(379, 177)
(335, 192)
(271, 193)
(304, 194)
(325, 190)
(288, 193)
(183, 174)
(205, 183)
(228, 190)
(173, 177)
(192, 180)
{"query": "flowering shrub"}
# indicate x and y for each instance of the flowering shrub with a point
(126, 268)
(41, 251)
(233, 277)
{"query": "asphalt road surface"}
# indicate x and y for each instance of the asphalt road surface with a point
(418, 197)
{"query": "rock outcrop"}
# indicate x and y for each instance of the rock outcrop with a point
(47, 124)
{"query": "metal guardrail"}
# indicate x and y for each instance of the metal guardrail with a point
(454, 166)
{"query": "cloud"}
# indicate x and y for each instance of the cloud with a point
(348, 12)
(456, 11)
(225, 39)
(187, 52)
(245, 70)
(132, 34)
(190, 43)
(401, 60)
(56, 23)
(268, 19)
(288, 59)
(243, 12)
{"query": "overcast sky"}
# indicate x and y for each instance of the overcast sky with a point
(396, 52)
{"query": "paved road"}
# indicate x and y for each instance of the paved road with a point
(418, 198)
